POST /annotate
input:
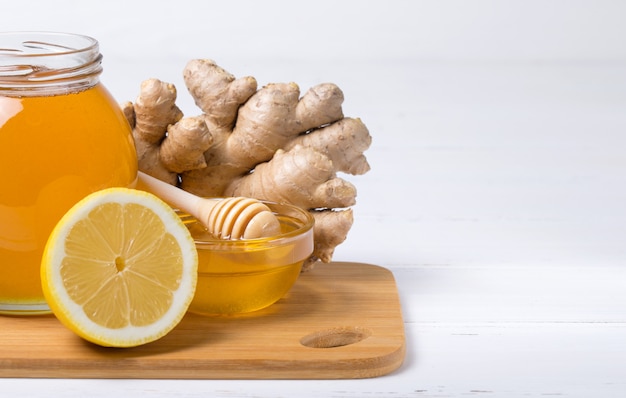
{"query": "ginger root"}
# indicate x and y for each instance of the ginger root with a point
(268, 143)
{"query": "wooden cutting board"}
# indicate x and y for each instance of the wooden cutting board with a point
(341, 320)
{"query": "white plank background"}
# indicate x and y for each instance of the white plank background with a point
(497, 194)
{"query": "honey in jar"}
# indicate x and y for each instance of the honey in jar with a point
(62, 136)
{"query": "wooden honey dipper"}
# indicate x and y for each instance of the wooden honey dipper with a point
(225, 218)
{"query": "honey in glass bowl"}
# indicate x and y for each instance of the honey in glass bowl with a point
(62, 136)
(246, 275)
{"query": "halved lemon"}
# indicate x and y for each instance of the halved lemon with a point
(120, 268)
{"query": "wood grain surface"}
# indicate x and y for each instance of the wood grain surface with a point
(341, 320)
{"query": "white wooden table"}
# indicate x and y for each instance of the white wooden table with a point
(497, 194)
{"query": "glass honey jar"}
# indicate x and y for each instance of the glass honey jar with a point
(62, 136)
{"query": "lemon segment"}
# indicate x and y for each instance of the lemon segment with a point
(120, 268)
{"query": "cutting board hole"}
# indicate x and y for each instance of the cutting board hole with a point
(335, 337)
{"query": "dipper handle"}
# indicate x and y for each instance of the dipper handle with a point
(224, 218)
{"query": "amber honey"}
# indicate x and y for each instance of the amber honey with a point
(54, 150)
(236, 277)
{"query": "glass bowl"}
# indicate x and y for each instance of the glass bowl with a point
(240, 276)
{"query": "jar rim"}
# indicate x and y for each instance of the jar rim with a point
(39, 40)
(35, 63)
